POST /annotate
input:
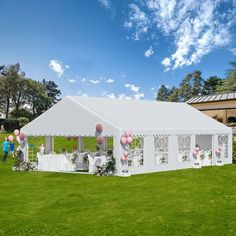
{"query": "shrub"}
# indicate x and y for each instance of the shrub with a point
(234, 151)
(9, 125)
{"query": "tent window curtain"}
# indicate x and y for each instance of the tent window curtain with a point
(184, 146)
(161, 149)
(136, 152)
(223, 142)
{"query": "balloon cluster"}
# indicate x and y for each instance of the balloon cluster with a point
(125, 140)
(99, 137)
(196, 151)
(19, 136)
(219, 150)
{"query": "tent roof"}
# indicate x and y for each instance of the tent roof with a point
(79, 115)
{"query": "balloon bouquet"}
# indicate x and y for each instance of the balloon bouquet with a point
(218, 151)
(125, 140)
(100, 140)
(196, 155)
(21, 139)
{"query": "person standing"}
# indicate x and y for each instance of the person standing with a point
(5, 145)
(12, 149)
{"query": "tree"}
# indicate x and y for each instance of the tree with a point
(197, 83)
(211, 84)
(174, 95)
(36, 98)
(9, 79)
(52, 92)
(229, 84)
(185, 89)
(163, 93)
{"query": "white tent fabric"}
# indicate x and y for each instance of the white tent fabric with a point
(77, 116)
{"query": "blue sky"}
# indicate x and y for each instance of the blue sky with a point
(117, 48)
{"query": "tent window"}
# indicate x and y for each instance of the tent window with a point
(136, 152)
(184, 148)
(161, 149)
(223, 142)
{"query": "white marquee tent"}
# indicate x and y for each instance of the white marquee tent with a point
(165, 134)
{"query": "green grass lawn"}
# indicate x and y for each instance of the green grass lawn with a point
(185, 202)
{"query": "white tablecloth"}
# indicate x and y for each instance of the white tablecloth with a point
(54, 162)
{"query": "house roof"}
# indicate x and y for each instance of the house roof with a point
(75, 115)
(212, 98)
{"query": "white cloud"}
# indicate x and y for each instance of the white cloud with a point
(57, 67)
(233, 50)
(83, 79)
(196, 27)
(67, 67)
(82, 93)
(137, 19)
(138, 96)
(105, 3)
(132, 87)
(111, 95)
(166, 62)
(149, 52)
(95, 81)
(109, 81)
(72, 81)
(124, 96)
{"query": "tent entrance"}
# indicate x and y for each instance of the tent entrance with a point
(205, 145)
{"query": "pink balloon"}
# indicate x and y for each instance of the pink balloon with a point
(126, 153)
(100, 139)
(99, 128)
(195, 153)
(127, 133)
(123, 140)
(129, 140)
(22, 136)
(16, 132)
(197, 149)
(123, 158)
(10, 138)
(217, 151)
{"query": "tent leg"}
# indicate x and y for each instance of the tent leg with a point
(81, 144)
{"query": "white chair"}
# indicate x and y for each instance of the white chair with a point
(91, 163)
(40, 161)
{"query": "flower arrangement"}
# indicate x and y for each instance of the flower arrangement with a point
(108, 169)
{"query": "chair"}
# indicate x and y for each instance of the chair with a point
(91, 163)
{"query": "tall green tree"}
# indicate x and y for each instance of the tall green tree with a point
(210, 85)
(185, 88)
(197, 83)
(36, 98)
(52, 91)
(229, 84)
(163, 93)
(9, 81)
(174, 95)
